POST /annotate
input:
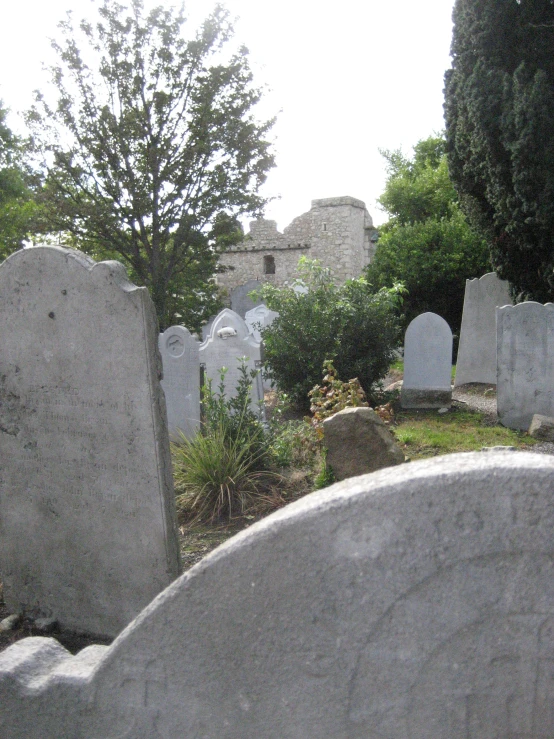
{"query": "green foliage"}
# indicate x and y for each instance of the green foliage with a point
(325, 477)
(17, 207)
(499, 108)
(152, 149)
(219, 473)
(427, 245)
(351, 325)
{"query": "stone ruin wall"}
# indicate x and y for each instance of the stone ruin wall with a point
(336, 231)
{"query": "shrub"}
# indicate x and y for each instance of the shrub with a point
(221, 472)
(353, 326)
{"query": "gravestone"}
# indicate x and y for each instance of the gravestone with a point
(87, 522)
(525, 355)
(228, 342)
(181, 380)
(476, 360)
(241, 302)
(259, 317)
(427, 363)
(417, 601)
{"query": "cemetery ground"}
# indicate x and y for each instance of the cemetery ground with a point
(469, 425)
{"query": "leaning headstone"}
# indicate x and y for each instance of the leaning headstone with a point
(414, 602)
(427, 363)
(476, 360)
(181, 380)
(525, 355)
(241, 302)
(87, 522)
(358, 442)
(258, 318)
(229, 341)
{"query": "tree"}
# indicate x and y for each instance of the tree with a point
(499, 108)
(152, 149)
(17, 207)
(352, 326)
(427, 243)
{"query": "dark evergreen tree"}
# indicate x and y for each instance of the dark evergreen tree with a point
(152, 148)
(499, 110)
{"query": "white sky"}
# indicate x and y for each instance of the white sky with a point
(346, 79)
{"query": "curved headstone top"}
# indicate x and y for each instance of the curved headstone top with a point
(427, 363)
(87, 511)
(258, 318)
(525, 357)
(414, 602)
(181, 380)
(476, 360)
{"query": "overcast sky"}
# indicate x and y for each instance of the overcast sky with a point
(345, 80)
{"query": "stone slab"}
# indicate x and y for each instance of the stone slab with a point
(87, 522)
(542, 427)
(525, 355)
(476, 360)
(358, 442)
(241, 302)
(414, 602)
(181, 380)
(230, 340)
(258, 318)
(427, 363)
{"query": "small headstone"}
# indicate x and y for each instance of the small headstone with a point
(358, 442)
(258, 318)
(427, 363)
(87, 519)
(414, 602)
(229, 341)
(181, 380)
(476, 360)
(525, 374)
(241, 302)
(542, 427)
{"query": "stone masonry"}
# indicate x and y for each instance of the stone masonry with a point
(336, 231)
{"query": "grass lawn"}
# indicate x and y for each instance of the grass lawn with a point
(424, 434)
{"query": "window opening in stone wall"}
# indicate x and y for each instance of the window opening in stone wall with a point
(269, 265)
(325, 227)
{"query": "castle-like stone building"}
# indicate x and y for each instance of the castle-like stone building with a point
(338, 232)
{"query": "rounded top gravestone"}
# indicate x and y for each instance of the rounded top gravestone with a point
(427, 363)
(414, 602)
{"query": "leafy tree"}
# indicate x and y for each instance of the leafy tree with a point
(427, 244)
(349, 324)
(499, 108)
(17, 207)
(152, 149)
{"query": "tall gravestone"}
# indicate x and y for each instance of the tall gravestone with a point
(87, 523)
(413, 603)
(427, 363)
(476, 360)
(241, 302)
(228, 342)
(525, 355)
(181, 380)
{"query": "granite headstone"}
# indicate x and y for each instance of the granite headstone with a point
(87, 520)
(181, 380)
(427, 363)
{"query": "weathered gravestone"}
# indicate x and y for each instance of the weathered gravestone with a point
(258, 318)
(87, 525)
(241, 302)
(228, 342)
(525, 356)
(427, 363)
(181, 380)
(476, 360)
(414, 602)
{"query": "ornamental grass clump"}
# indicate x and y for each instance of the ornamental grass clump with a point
(222, 472)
